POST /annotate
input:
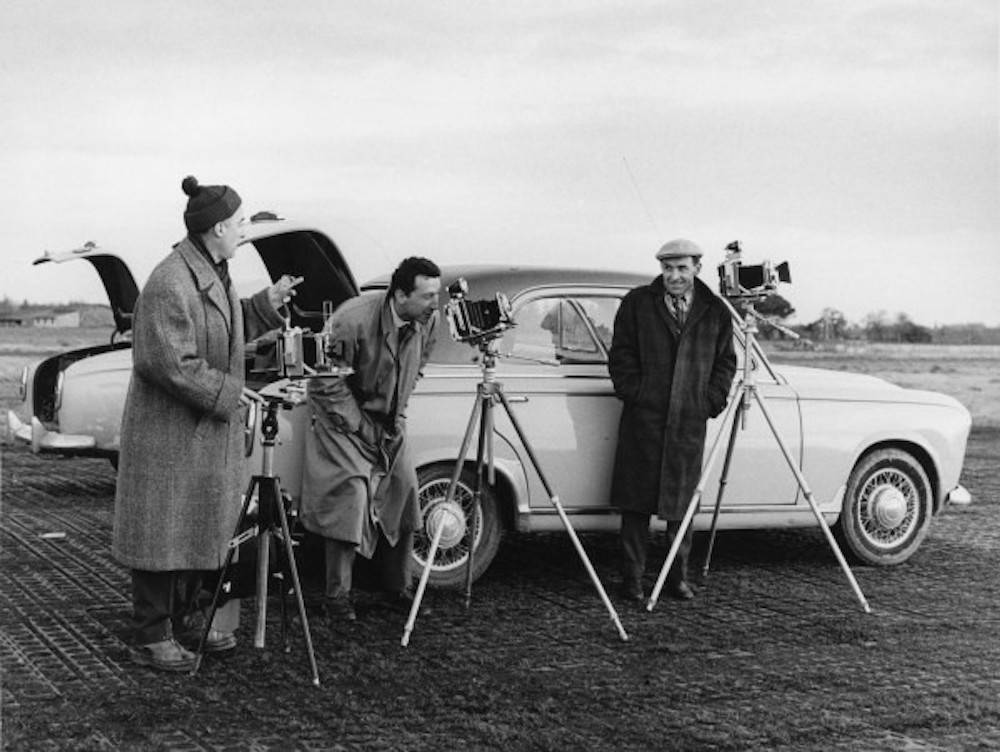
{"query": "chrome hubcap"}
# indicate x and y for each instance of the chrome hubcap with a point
(451, 521)
(888, 506)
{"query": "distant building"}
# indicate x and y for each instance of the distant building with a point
(47, 319)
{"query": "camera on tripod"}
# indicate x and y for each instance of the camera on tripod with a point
(476, 321)
(743, 281)
(296, 353)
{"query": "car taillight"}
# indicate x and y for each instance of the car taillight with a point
(23, 387)
(57, 397)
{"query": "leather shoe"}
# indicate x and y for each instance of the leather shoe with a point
(216, 642)
(632, 591)
(340, 609)
(219, 641)
(165, 655)
(681, 591)
(401, 603)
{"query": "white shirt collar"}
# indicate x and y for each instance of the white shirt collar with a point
(396, 319)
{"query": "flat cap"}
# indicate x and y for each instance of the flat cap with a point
(679, 247)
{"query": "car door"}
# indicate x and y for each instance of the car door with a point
(555, 376)
(759, 474)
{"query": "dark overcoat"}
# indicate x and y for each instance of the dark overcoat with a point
(671, 379)
(358, 473)
(180, 472)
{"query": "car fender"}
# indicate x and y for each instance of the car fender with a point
(938, 439)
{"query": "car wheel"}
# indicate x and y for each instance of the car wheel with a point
(451, 559)
(887, 508)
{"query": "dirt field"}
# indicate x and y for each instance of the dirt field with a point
(774, 654)
(970, 373)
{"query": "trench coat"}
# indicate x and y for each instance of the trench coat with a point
(358, 472)
(180, 471)
(672, 379)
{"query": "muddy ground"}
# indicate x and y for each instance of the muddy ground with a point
(775, 653)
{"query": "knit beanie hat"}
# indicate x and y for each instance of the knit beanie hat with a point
(207, 204)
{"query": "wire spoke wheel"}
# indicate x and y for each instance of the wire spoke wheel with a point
(887, 507)
(454, 517)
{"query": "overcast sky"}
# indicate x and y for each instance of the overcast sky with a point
(856, 139)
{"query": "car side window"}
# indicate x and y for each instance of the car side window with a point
(553, 331)
(600, 311)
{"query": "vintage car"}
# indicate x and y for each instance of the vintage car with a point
(73, 401)
(880, 460)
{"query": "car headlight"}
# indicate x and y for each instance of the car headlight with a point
(22, 389)
(59, 391)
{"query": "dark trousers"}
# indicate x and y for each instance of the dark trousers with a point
(635, 541)
(392, 563)
(162, 600)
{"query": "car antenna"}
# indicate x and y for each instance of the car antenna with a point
(638, 193)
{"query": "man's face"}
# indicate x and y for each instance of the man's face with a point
(421, 303)
(231, 234)
(679, 273)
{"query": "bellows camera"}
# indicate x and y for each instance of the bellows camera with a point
(476, 321)
(739, 280)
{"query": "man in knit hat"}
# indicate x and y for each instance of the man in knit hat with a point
(672, 362)
(180, 472)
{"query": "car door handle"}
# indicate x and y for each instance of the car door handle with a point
(518, 398)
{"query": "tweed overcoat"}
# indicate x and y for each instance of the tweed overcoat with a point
(671, 379)
(180, 472)
(358, 472)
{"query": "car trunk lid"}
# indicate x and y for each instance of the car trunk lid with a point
(119, 284)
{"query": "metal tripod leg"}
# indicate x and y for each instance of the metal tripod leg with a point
(562, 515)
(234, 542)
(418, 596)
(484, 454)
(799, 477)
(297, 587)
(271, 514)
(689, 513)
(797, 472)
(723, 481)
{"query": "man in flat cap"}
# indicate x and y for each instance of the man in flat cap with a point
(180, 472)
(672, 363)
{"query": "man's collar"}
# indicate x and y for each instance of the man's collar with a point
(198, 243)
(397, 320)
(688, 296)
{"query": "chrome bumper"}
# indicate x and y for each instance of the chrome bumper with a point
(958, 496)
(43, 440)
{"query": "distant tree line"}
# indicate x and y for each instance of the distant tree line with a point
(91, 314)
(832, 324)
(878, 326)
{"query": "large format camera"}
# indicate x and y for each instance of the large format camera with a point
(476, 321)
(739, 280)
(292, 352)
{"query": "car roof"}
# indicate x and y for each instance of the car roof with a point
(485, 280)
